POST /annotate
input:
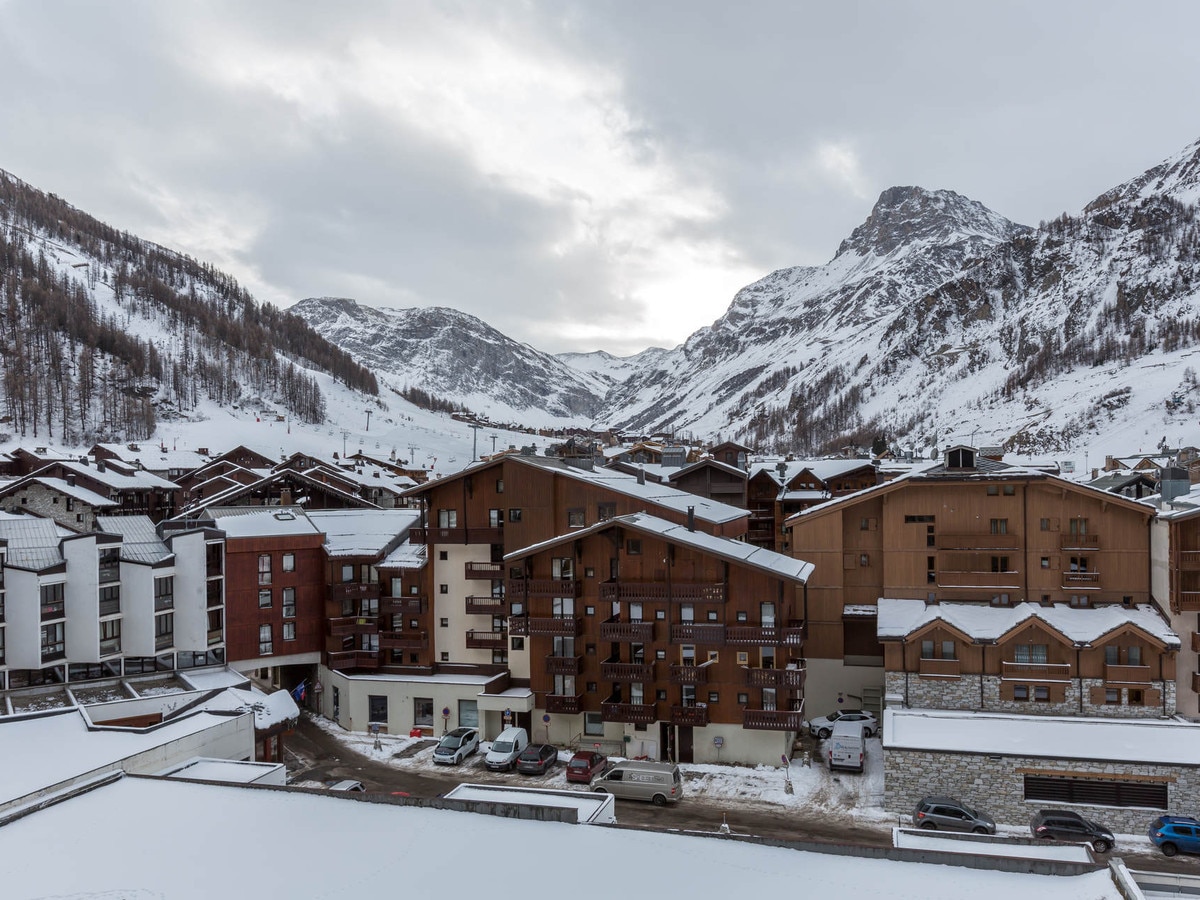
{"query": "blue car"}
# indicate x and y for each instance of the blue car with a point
(1175, 834)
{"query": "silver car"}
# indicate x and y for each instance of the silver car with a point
(822, 726)
(951, 815)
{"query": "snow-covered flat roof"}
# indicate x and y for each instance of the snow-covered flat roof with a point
(212, 678)
(914, 839)
(233, 770)
(423, 679)
(1151, 741)
(361, 532)
(262, 521)
(406, 556)
(901, 617)
(363, 837)
(584, 802)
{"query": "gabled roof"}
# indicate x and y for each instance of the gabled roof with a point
(707, 462)
(82, 494)
(33, 543)
(136, 481)
(140, 542)
(232, 494)
(738, 552)
(902, 618)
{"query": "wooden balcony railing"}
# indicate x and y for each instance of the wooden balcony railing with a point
(434, 535)
(1196, 641)
(785, 678)
(1127, 674)
(563, 665)
(984, 540)
(410, 604)
(1189, 560)
(637, 713)
(773, 719)
(627, 632)
(957, 578)
(483, 570)
(404, 640)
(568, 626)
(353, 590)
(614, 670)
(696, 716)
(518, 626)
(353, 659)
(940, 668)
(544, 587)
(564, 704)
(1015, 671)
(1188, 601)
(689, 674)
(1196, 682)
(1081, 579)
(713, 635)
(683, 592)
(345, 625)
(1079, 541)
(487, 606)
(762, 635)
(487, 640)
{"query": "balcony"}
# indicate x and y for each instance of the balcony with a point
(684, 592)
(110, 646)
(1081, 579)
(1189, 560)
(435, 535)
(563, 665)
(984, 540)
(412, 604)
(961, 578)
(353, 590)
(404, 640)
(486, 571)
(518, 626)
(1127, 674)
(110, 607)
(713, 635)
(763, 635)
(637, 713)
(1079, 541)
(1196, 682)
(164, 641)
(353, 659)
(689, 674)
(344, 625)
(544, 587)
(777, 678)
(215, 636)
(564, 704)
(615, 670)
(1015, 671)
(773, 719)
(163, 603)
(627, 632)
(1189, 601)
(694, 716)
(487, 606)
(939, 668)
(53, 611)
(1196, 641)
(561, 626)
(487, 640)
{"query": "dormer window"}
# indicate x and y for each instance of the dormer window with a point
(960, 458)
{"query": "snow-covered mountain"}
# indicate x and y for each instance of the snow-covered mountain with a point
(457, 357)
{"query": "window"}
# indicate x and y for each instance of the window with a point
(864, 524)
(606, 511)
(660, 695)
(687, 612)
(948, 650)
(52, 602)
(930, 537)
(289, 562)
(54, 641)
(377, 709)
(714, 697)
(1137, 697)
(289, 603)
(443, 588)
(999, 526)
(1133, 656)
(1112, 655)
(633, 547)
(164, 592)
(1096, 791)
(347, 574)
(518, 643)
(289, 631)
(445, 656)
(1112, 696)
(443, 555)
(1031, 653)
(499, 657)
(575, 518)
(999, 599)
(593, 724)
(447, 518)
(422, 710)
(1045, 562)
(499, 485)
(264, 568)
(468, 713)
(1000, 564)
(909, 520)
(110, 600)
(1021, 692)
(931, 570)
(265, 643)
(444, 623)
(743, 699)
(864, 559)
(926, 649)
(589, 610)
(1044, 524)
(660, 654)
(712, 615)
(264, 598)
(514, 515)
(743, 657)
(1010, 490)
(714, 656)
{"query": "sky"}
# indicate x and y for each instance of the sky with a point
(580, 174)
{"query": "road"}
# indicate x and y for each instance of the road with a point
(317, 756)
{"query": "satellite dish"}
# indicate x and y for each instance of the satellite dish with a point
(933, 453)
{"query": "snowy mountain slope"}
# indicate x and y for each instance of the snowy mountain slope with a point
(611, 370)
(457, 357)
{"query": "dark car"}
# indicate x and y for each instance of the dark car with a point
(1175, 834)
(1064, 825)
(586, 765)
(537, 759)
(952, 815)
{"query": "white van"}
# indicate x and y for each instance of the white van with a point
(506, 748)
(660, 783)
(846, 748)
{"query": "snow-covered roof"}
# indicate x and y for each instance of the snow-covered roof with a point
(82, 494)
(138, 481)
(407, 556)
(156, 458)
(33, 543)
(269, 709)
(727, 548)
(239, 490)
(214, 677)
(1084, 625)
(362, 532)
(162, 862)
(139, 539)
(1150, 741)
(261, 521)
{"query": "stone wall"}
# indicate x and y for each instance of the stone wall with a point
(995, 784)
(964, 693)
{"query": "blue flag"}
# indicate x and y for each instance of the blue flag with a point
(299, 692)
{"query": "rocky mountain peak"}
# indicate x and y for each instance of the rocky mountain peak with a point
(1177, 177)
(907, 215)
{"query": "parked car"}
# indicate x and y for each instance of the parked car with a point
(537, 759)
(822, 726)
(951, 815)
(586, 765)
(505, 749)
(456, 746)
(355, 786)
(1064, 825)
(1175, 834)
(659, 782)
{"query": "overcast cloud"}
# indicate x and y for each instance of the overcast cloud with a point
(581, 175)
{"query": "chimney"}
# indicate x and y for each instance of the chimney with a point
(285, 497)
(641, 476)
(1173, 483)
(99, 465)
(691, 518)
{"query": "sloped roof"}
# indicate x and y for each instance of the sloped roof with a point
(362, 532)
(262, 521)
(139, 540)
(33, 543)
